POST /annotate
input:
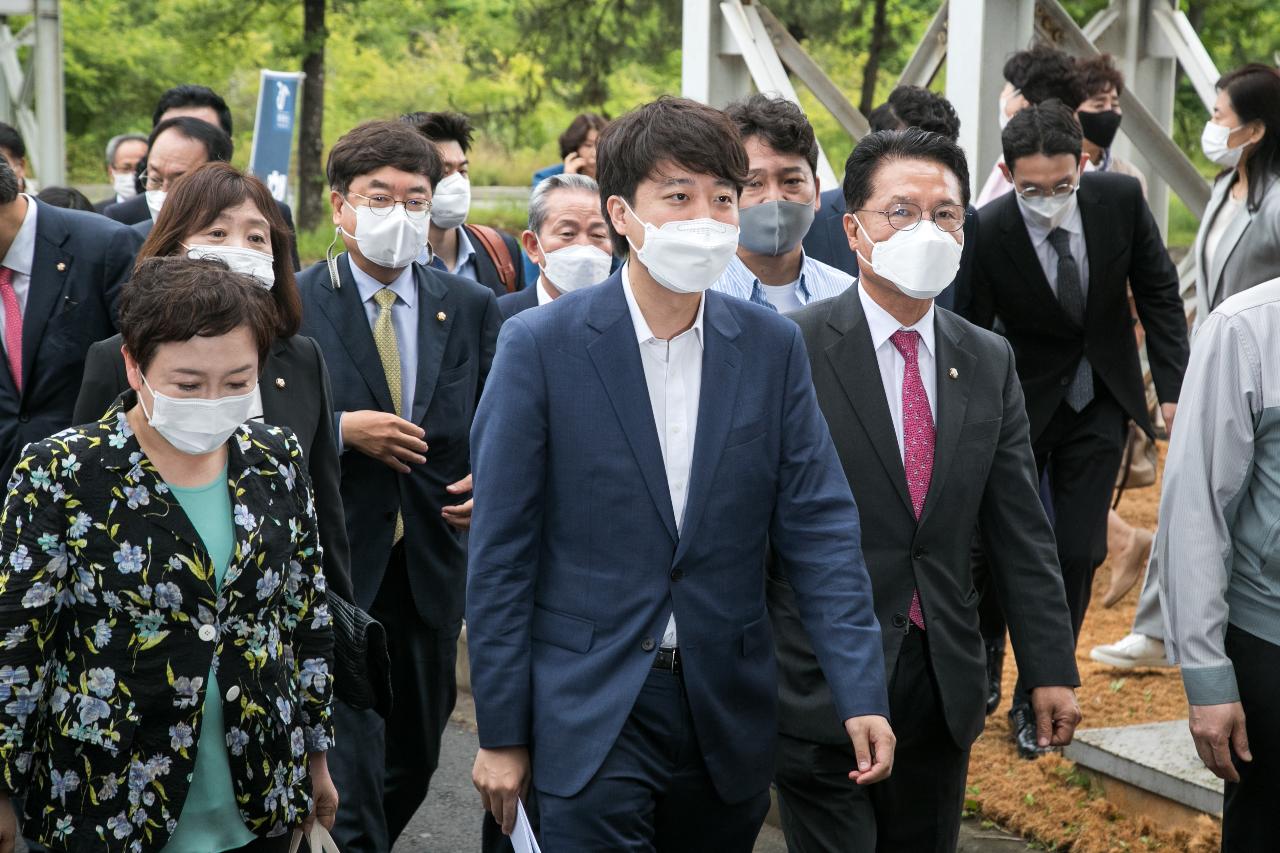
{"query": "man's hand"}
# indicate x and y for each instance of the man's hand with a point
(459, 515)
(8, 825)
(873, 744)
(323, 793)
(390, 439)
(1057, 715)
(1167, 411)
(502, 777)
(1217, 730)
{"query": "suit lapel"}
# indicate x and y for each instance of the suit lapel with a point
(50, 266)
(616, 356)
(435, 301)
(275, 377)
(1230, 239)
(1017, 244)
(853, 361)
(346, 314)
(1216, 200)
(1097, 246)
(721, 372)
(953, 399)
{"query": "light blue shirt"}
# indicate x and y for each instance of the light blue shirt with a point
(404, 319)
(817, 281)
(466, 263)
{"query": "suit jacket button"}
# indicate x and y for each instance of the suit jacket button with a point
(1064, 381)
(648, 644)
(899, 621)
(918, 554)
(23, 417)
(676, 574)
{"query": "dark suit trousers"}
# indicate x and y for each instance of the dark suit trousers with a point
(653, 792)
(1249, 806)
(1085, 449)
(383, 769)
(917, 809)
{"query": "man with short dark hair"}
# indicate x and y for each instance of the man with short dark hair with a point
(61, 272)
(637, 445)
(478, 252)
(776, 209)
(124, 152)
(408, 348)
(195, 101)
(928, 419)
(1053, 264)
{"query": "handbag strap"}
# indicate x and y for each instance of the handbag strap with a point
(496, 248)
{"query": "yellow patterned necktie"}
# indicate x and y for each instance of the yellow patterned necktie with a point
(384, 337)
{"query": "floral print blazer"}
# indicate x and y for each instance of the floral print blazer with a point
(109, 622)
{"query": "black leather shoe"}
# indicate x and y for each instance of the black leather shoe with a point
(1023, 723)
(995, 668)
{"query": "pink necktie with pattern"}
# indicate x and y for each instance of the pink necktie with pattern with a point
(12, 326)
(917, 438)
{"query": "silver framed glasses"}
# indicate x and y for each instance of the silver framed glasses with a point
(1063, 189)
(906, 215)
(382, 204)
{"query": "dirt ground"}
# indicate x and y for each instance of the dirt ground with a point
(1048, 800)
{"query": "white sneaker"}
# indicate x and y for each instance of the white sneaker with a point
(1134, 651)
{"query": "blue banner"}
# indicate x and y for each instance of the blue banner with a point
(273, 130)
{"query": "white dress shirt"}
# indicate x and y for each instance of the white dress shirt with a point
(20, 259)
(1048, 255)
(673, 372)
(893, 366)
(544, 296)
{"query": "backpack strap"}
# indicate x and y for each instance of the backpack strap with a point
(497, 250)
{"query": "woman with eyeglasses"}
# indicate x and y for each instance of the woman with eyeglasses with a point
(168, 645)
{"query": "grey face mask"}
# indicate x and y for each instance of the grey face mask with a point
(775, 227)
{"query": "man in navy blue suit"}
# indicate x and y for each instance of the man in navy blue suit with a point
(638, 446)
(60, 280)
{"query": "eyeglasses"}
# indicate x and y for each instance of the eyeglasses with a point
(906, 215)
(381, 205)
(1064, 188)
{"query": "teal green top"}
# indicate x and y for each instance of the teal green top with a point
(210, 821)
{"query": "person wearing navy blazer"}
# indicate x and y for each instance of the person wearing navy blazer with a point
(616, 620)
(68, 266)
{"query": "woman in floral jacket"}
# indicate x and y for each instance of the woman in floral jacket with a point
(164, 641)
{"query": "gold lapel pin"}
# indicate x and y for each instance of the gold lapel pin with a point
(441, 316)
(953, 373)
(62, 267)
(280, 383)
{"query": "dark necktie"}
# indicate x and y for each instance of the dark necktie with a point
(1071, 298)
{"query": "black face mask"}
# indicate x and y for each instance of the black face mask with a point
(1100, 128)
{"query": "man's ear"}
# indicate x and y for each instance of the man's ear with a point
(1004, 170)
(529, 242)
(335, 202)
(617, 210)
(851, 230)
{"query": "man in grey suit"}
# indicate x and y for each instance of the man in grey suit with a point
(929, 422)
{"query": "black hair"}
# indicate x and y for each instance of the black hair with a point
(915, 106)
(578, 131)
(1050, 74)
(68, 197)
(193, 96)
(1099, 73)
(695, 136)
(1050, 128)
(11, 141)
(1254, 90)
(878, 148)
(375, 144)
(779, 123)
(9, 184)
(217, 145)
(443, 127)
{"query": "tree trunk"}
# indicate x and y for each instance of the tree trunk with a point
(312, 191)
(874, 50)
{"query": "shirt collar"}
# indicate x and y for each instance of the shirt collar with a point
(643, 333)
(543, 295)
(403, 287)
(21, 255)
(882, 324)
(465, 249)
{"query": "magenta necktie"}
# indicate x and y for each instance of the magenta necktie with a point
(917, 438)
(12, 326)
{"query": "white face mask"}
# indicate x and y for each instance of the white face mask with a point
(393, 240)
(155, 198)
(1048, 212)
(451, 201)
(575, 267)
(194, 425)
(920, 262)
(1004, 103)
(260, 265)
(1214, 143)
(123, 184)
(688, 255)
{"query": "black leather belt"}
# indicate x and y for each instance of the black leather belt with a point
(667, 659)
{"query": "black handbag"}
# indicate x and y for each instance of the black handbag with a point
(362, 667)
